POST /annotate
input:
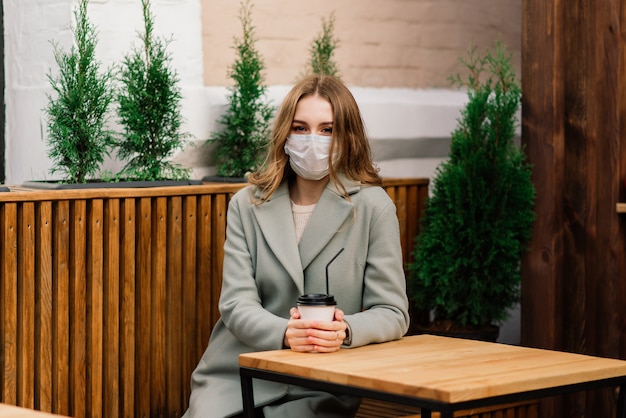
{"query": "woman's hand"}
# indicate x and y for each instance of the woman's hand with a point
(315, 336)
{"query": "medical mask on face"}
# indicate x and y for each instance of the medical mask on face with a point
(308, 155)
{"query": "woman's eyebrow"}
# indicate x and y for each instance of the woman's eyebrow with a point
(304, 123)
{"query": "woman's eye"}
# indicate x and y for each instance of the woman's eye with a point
(299, 129)
(327, 131)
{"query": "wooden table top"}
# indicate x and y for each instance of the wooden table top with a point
(11, 411)
(444, 369)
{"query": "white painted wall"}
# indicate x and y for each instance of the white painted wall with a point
(409, 128)
(30, 25)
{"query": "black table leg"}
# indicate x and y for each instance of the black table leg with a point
(425, 413)
(621, 402)
(248, 396)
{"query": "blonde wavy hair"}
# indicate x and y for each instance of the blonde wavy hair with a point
(349, 140)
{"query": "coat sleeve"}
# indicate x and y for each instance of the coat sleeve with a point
(240, 305)
(385, 315)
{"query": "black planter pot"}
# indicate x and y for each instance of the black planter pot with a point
(220, 179)
(96, 184)
(487, 333)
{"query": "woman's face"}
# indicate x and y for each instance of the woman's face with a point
(314, 116)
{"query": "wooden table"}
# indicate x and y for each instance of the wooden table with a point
(10, 411)
(437, 373)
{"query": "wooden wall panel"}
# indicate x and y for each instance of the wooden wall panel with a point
(189, 321)
(128, 308)
(26, 305)
(409, 196)
(9, 326)
(78, 308)
(95, 310)
(108, 298)
(573, 119)
(60, 308)
(174, 309)
(111, 308)
(43, 308)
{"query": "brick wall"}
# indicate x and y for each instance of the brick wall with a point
(383, 43)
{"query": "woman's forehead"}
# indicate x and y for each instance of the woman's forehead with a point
(314, 107)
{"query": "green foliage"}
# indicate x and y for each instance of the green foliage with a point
(78, 113)
(241, 146)
(322, 49)
(149, 110)
(479, 218)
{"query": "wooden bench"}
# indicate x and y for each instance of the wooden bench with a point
(108, 296)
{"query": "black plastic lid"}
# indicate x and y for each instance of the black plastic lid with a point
(316, 299)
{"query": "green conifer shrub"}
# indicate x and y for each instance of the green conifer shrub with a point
(479, 217)
(241, 146)
(78, 139)
(149, 110)
(321, 61)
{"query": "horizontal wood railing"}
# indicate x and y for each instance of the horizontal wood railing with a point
(108, 296)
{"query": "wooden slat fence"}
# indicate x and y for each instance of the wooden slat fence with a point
(379, 409)
(108, 296)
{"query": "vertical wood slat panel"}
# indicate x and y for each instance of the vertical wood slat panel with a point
(189, 325)
(141, 277)
(410, 200)
(173, 308)
(399, 198)
(26, 305)
(175, 336)
(8, 304)
(128, 308)
(60, 308)
(218, 236)
(111, 306)
(409, 196)
(143, 285)
(158, 306)
(43, 308)
(204, 270)
(78, 309)
(95, 309)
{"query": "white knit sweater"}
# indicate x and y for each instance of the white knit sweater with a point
(301, 216)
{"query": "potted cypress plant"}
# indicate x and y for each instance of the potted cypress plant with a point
(466, 270)
(77, 115)
(241, 145)
(321, 60)
(149, 111)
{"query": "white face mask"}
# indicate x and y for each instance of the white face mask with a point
(308, 155)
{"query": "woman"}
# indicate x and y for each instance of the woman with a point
(317, 193)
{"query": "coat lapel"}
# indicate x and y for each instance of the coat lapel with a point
(331, 212)
(276, 222)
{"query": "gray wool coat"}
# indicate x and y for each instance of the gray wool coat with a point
(265, 271)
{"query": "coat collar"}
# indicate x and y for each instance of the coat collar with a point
(276, 222)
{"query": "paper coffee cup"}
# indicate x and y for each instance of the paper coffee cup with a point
(317, 307)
